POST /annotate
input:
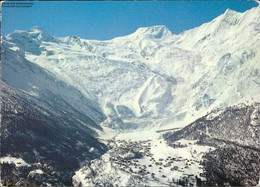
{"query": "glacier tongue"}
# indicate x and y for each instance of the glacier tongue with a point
(151, 77)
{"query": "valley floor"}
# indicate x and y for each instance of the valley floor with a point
(144, 158)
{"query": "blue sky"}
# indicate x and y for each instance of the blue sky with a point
(108, 19)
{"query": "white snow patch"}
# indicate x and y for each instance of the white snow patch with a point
(37, 171)
(17, 161)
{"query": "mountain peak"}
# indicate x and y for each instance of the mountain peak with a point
(229, 18)
(230, 12)
(152, 28)
(35, 34)
(39, 33)
(72, 40)
(37, 29)
(154, 32)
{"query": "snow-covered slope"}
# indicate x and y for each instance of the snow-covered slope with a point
(149, 78)
(25, 75)
(43, 144)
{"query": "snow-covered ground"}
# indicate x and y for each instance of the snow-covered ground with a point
(144, 158)
(37, 171)
(13, 160)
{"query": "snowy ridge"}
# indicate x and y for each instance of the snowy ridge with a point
(155, 32)
(151, 77)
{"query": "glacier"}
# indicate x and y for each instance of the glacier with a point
(150, 78)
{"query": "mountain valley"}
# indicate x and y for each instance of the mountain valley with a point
(148, 109)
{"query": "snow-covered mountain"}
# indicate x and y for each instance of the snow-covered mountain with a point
(149, 80)
(151, 77)
(31, 78)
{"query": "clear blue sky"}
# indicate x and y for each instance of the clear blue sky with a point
(108, 19)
